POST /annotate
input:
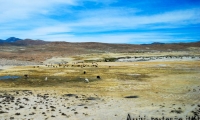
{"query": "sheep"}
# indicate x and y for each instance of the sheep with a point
(86, 80)
(45, 78)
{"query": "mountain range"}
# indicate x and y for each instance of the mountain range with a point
(29, 42)
(21, 42)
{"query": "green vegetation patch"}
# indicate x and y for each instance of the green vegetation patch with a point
(110, 59)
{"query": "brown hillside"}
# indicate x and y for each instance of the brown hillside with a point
(38, 50)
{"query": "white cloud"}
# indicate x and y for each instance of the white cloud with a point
(12, 10)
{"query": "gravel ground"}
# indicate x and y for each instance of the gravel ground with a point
(43, 105)
(5, 62)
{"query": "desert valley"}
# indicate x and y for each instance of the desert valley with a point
(97, 81)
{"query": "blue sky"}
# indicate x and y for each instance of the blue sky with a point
(108, 21)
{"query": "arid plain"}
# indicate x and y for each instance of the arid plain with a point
(99, 85)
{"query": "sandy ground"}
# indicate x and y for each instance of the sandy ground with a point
(6, 62)
(57, 60)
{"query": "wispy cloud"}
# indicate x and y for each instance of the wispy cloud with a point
(181, 17)
(12, 10)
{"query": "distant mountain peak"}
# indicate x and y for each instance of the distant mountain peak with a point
(25, 42)
(10, 40)
(157, 43)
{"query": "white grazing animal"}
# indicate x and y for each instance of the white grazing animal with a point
(86, 80)
(45, 79)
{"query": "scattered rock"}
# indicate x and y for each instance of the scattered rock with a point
(81, 104)
(1, 112)
(131, 97)
(69, 95)
(12, 118)
(176, 111)
(52, 107)
(63, 114)
(92, 98)
(21, 106)
(17, 114)
(75, 112)
(32, 113)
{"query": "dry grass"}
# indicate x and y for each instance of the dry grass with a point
(147, 79)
